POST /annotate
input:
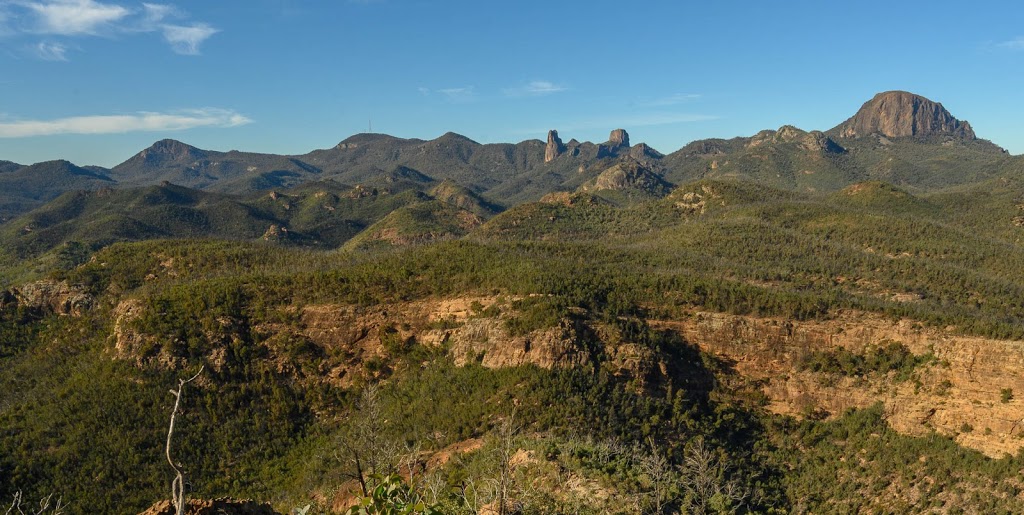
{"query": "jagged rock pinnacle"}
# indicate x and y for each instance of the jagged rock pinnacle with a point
(617, 141)
(619, 138)
(554, 147)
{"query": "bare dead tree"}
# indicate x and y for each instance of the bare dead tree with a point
(44, 506)
(493, 494)
(505, 450)
(705, 479)
(410, 460)
(470, 495)
(657, 469)
(365, 449)
(434, 487)
(178, 485)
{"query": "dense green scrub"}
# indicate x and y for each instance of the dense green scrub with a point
(77, 421)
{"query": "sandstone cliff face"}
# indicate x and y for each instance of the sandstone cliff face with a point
(48, 297)
(554, 147)
(962, 389)
(897, 114)
(333, 344)
(959, 393)
(485, 340)
(343, 338)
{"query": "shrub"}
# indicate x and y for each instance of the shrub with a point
(1006, 395)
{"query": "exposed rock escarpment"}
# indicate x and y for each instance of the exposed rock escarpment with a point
(813, 141)
(817, 140)
(628, 174)
(618, 140)
(554, 147)
(276, 233)
(489, 342)
(898, 114)
(45, 297)
(960, 388)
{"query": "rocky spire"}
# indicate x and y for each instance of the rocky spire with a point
(618, 138)
(554, 147)
(897, 114)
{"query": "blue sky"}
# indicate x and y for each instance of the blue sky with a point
(95, 81)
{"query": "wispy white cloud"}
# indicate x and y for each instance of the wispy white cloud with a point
(4, 29)
(671, 100)
(1013, 44)
(154, 14)
(115, 124)
(74, 17)
(462, 94)
(535, 88)
(84, 18)
(543, 87)
(459, 94)
(50, 51)
(186, 39)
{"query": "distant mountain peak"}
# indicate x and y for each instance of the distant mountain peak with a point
(64, 168)
(169, 150)
(899, 114)
(617, 140)
(363, 138)
(454, 136)
(642, 151)
(171, 146)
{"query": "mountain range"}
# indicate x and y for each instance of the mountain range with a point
(897, 137)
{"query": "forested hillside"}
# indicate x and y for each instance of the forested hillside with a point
(807, 322)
